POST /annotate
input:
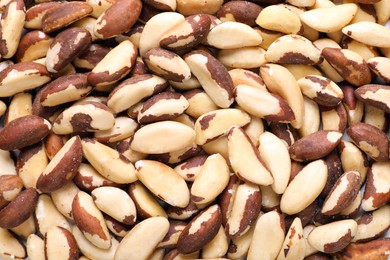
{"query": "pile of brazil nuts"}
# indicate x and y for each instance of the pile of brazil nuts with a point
(194, 129)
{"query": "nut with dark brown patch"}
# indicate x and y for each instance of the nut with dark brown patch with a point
(11, 246)
(19, 209)
(23, 131)
(377, 192)
(10, 187)
(334, 118)
(33, 45)
(315, 146)
(60, 16)
(35, 13)
(381, 67)
(285, 132)
(91, 56)
(242, 11)
(245, 210)
(174, 231)
(22, 76)
(90, 220)
(370, 140)
(117, 19)
(349, 64)
(342, 194)
(63, 167)
(333, 237)
(205, 225)
(190, 168)
(186, 34)
(353, 106)
(213, 76)
(376, 249)
(60, 242)
(66, 46)
(294, 243)
(375, 95)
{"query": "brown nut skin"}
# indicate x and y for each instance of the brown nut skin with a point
(118, 18)
(23, 131)
(20, 209)
(371, 140)
(52, 243)
(315, 146)
(27, 43)
(190, 241)
(9, 183)
(64, 169)
(377, 249)
(285, 132)
(64, 14)
(335, 170)
(374, 95)
(35, 13)
(239, 11)
(91, 56)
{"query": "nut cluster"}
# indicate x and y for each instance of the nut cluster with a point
(176, 129)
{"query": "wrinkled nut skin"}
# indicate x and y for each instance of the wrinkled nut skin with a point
(62, 168)
(180, 37)
(377, 249)
(370, 140)
(20, 209)
(315, 146)
(23, 131)
(118, 18)
(66, 46)
(200, 230)
(9, 184)
(64, 14)
(374, 95)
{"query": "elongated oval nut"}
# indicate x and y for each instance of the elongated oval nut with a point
(312, 120)
(293, 49)
(22, 76)
(60, 242)
(230, 35)
(142, 239)
(20, 209)
(186, 34)
(280, 19)
(333, 237)
(11, 27)
(342, 194)
(133, 90)
(247, 196)
(213, 77)
(63, 167)
(243, 12)
(268, 237)
(294, 245)
(380, 66)
(155, 28)
(252, 169)
(372, 224)
(375, 95)
(377, 192)
(35, 13)
(35, 247)
(163, 106)
(10, 186)
(91, 251)
(349, 65)
(275, 156)
(369, 33)
(108, 162)
(280, 81)
(322, 90)
(217, 247)
(47, 215)
(162, 137)
(199, 103)
(23, 131)
(200, 230)
(85, 116)
(167, 65)
(263, 104)
(190, 168)
(124, 210)
(315, 146)
(65, 89)
(370, 140)
(64, 14)
(10, 246)
(170, 240)
(20, 105)
(90, 220)
(211, 180)
(117, 19)
(164, 182)
(247, 77)
(123, 128)
(329, 19)
(244, 57)
(65, 47)
(115, 65)
(216, 123)
(62, 197)
(294, 201)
